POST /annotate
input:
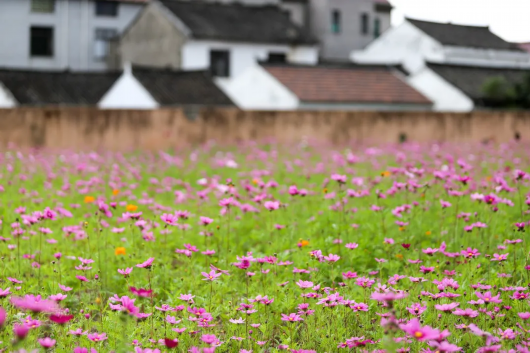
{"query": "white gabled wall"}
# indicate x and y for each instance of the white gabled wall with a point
(401, 44)
(256, 89)
(127, 93)
(6, 98)
(196, 54)
(445, 96)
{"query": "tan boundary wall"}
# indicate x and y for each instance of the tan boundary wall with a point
(120, 130)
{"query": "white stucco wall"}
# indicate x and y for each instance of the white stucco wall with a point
(256, 89)
(196, 54)
(6, 98)
(445, 96)
(127, 93)
(404, 43)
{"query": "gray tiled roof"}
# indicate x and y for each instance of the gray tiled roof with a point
(464, 36)
(57, 87)
(471, 79)
(238, 22)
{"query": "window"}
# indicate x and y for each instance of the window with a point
(377, 28)
(107, 8)
(277, 58)
(335, 21)
(46, 6)
(364, 23)
(41, 41)
(220, 63)
(103, 36)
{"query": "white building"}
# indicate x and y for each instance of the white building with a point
(424, 49)
(61, 34)
(222, 38)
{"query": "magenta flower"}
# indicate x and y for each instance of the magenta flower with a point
(446, 307)
(46, 342)
(204, 221)
(415, 330)
(524, 316)
(388, 296)
(81, 278)
(169, 219)
(487, 298)
(429, 251)
(501, 257)
(467, 312)
(147, 264)
(20, 331)
(126, 272)
(341, 179)
(35, 304)
(416, 309)
(291, 317)
(210, 276)
(272, 205)
(5, 292)
(3, 316)
(97, 337)
(332, 258)
(304, 284)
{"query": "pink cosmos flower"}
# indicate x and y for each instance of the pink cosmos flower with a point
(352, 246)
(126, 272)
(467, 312)
(97, 337)
(446, 307)
(487, 298)
(147, 264)
(415, 330)
(429, 251)
(35, 304)
(5, 292)
(416, 309)
(272, 205)
(291, 317)
(46, 342)
(169, 219)
(20, 331)
(65, 288)
(501, 257)
(304, 284)
(82, 278)
(332, 258)
(210, 276)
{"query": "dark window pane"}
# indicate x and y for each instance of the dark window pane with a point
(335, 21)
(277, 58)
(107, 8)
(364, 23)
(41, 41)
(220, 63)
(377, 28)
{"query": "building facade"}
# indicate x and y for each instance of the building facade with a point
(61, 34)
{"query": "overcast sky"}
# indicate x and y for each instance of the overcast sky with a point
(509, 19)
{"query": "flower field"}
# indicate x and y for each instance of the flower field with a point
(266, 248)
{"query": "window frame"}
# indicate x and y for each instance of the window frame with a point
(220, 53)
(32, 36)
(114, 4)
(104, 38)
(276, 57)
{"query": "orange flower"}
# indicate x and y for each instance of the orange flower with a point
(120, 250)
(428, 232)
(302, 243)
(115, 192)
(399, 256)
(131, 208)
(325, 191)
(89, 199)
(385, 174)
(255, 181)
(401, 229)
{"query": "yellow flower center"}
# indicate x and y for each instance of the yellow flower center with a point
(418, 334)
